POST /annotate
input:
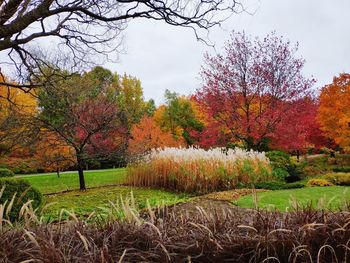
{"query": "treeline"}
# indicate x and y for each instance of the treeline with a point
(253, 96)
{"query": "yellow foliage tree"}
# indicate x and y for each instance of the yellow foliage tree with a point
(17, 108)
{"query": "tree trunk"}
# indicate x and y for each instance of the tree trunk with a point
(58, 172)
(81, 173)
(298, 156)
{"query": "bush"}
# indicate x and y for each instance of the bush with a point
(279, 159)
(23, 192)
(6, 173)
(199, 171)
(338, 178)
(278, 185)
(345, 169)
(283, 168)
(319, 182)
(343, 159)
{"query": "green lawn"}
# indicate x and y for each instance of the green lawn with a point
(85, 202)
(50, 183)
(332, 197)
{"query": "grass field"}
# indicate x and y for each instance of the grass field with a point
(97, 200)
(105, 189)
(50, 183)
(332, 197)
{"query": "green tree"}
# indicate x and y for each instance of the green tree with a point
(178, 115)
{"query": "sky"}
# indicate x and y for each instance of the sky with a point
(165, 57)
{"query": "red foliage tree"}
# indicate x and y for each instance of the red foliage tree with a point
(247, 88)
(299, 128)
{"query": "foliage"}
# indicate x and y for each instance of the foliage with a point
(130, 99)
(299, 128)
(345, 169)
(52, 153)
(147, 135)
(16, 126)
(49, 183)
(168, 236)
(86, 117)
(283, 167)
(334, 113)
(278, 185)
(332, 197)
(199, 171)
(250, 89)
(178, 116)
(319, 182)
(338, 178)
(6, 172)
(15, 193)
(279, 159)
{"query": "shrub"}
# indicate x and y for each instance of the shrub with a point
(279, 159)
(319, 182)
(338, 178)
(6, 173)
(283, 167)
(280, 174)
(199, 171)
(278, 185)
(22, 191)
(345, 169)
(343, 159)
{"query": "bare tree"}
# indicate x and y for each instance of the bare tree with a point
(89, 27)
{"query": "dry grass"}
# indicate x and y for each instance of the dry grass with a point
(199, 171)
(235, 236)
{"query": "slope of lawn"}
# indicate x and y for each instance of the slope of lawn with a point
(97, 200)
(332, 197)
(50, 183)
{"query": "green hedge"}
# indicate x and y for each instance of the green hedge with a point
(6, 172)
(23, 191)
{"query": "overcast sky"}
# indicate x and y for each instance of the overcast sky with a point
(165, 57)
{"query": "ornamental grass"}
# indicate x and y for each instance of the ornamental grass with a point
(234, 235)
(195, 170)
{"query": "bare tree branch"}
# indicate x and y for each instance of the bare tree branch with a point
(89, 27)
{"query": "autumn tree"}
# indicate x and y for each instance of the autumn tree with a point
(178, 116)
(334, 110)
(299, 129)
(246, 88)
(52, 153)
(80, 115)
(147, 135)
(130, 98)
(16, 124)
(89, 28)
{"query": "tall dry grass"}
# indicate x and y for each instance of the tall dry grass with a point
(206, 236)
(199, 171)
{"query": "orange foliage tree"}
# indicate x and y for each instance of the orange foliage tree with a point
(334, 110)
(148, 135)
(53, 154)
